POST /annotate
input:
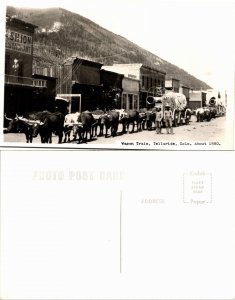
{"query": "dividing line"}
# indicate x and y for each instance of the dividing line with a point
(120, 241)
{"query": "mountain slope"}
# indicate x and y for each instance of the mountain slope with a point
(74, 35)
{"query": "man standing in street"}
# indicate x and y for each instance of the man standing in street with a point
(168, 118)
(159, 116)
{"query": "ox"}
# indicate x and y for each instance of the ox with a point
(70, 125)
(110, 121)
(97, 114)
(142, 119)
(87, 122)
(26, 126)
(213, 111)
(131, 117)
(50, 123)
(185, 116)
(122, 113)
(202, 114)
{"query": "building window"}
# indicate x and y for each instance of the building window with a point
(130, 102)
(147, 83)
(45, 71)
(124, 100)
(142, 81)
(135, 102)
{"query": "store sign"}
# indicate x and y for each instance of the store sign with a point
(19, 42)
(131, 76)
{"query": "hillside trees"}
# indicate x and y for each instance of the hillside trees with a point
(62, 34)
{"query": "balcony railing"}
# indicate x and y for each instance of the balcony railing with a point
(31, 82)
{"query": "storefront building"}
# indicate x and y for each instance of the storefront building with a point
(81, 76)
(130, 95)
(150, 79)
(22, 91)
(112, 89)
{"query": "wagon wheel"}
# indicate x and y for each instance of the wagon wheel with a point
(188, 117)
(176, 118)
(180, 119)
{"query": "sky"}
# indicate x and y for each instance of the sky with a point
(197, 36)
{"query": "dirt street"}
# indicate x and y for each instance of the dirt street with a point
(213, 131)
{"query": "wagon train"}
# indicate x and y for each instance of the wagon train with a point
(83, 126)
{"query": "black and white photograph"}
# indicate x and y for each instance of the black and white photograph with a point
(119, 74)
(110, 113)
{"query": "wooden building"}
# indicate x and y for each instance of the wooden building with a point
(130, 94)
(112, 89)
(22, 91)
(81, 76)
(46, 97)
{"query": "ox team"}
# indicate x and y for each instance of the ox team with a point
(167, 110)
